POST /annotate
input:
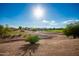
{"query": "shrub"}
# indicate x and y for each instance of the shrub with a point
(7, 32)
(72, 30)
(32, 39)
(34, 29)
(4, 31)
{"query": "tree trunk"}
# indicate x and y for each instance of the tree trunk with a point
(74, 36)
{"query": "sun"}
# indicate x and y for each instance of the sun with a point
(38, 12)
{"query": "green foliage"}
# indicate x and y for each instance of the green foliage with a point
(72, 30)
(1, 30)
(7, 31)
(20, 27)
(32, 39)
(4, 31)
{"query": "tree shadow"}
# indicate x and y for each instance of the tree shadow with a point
(29, 48)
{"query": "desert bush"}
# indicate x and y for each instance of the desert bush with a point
(4, 31)
(34, 29)
(72, 29)
(32, 39)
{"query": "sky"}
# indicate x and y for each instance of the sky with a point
(49, 15)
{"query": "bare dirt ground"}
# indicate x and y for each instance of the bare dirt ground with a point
(57, 45)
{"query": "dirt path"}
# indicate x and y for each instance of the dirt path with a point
(57, 45)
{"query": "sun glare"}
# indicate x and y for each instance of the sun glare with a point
(38, 12)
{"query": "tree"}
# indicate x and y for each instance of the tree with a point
(1, 30)
(72, 29)
(20, 27)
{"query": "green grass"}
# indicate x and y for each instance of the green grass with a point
(56, 30)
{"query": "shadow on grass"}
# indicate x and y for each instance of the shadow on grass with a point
(29, 48)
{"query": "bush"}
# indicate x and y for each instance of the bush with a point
(4, 31)
(72, 30)
(34, 30)
(7, 32)
(32, 39)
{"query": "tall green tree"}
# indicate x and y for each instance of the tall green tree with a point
(1, 30)
(72, 30)
(20, 27)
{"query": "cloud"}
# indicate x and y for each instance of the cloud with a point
(53, 22)
(69, 21)
(49, 22)
(45, 21)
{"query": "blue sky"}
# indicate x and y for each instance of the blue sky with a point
(55, 14)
